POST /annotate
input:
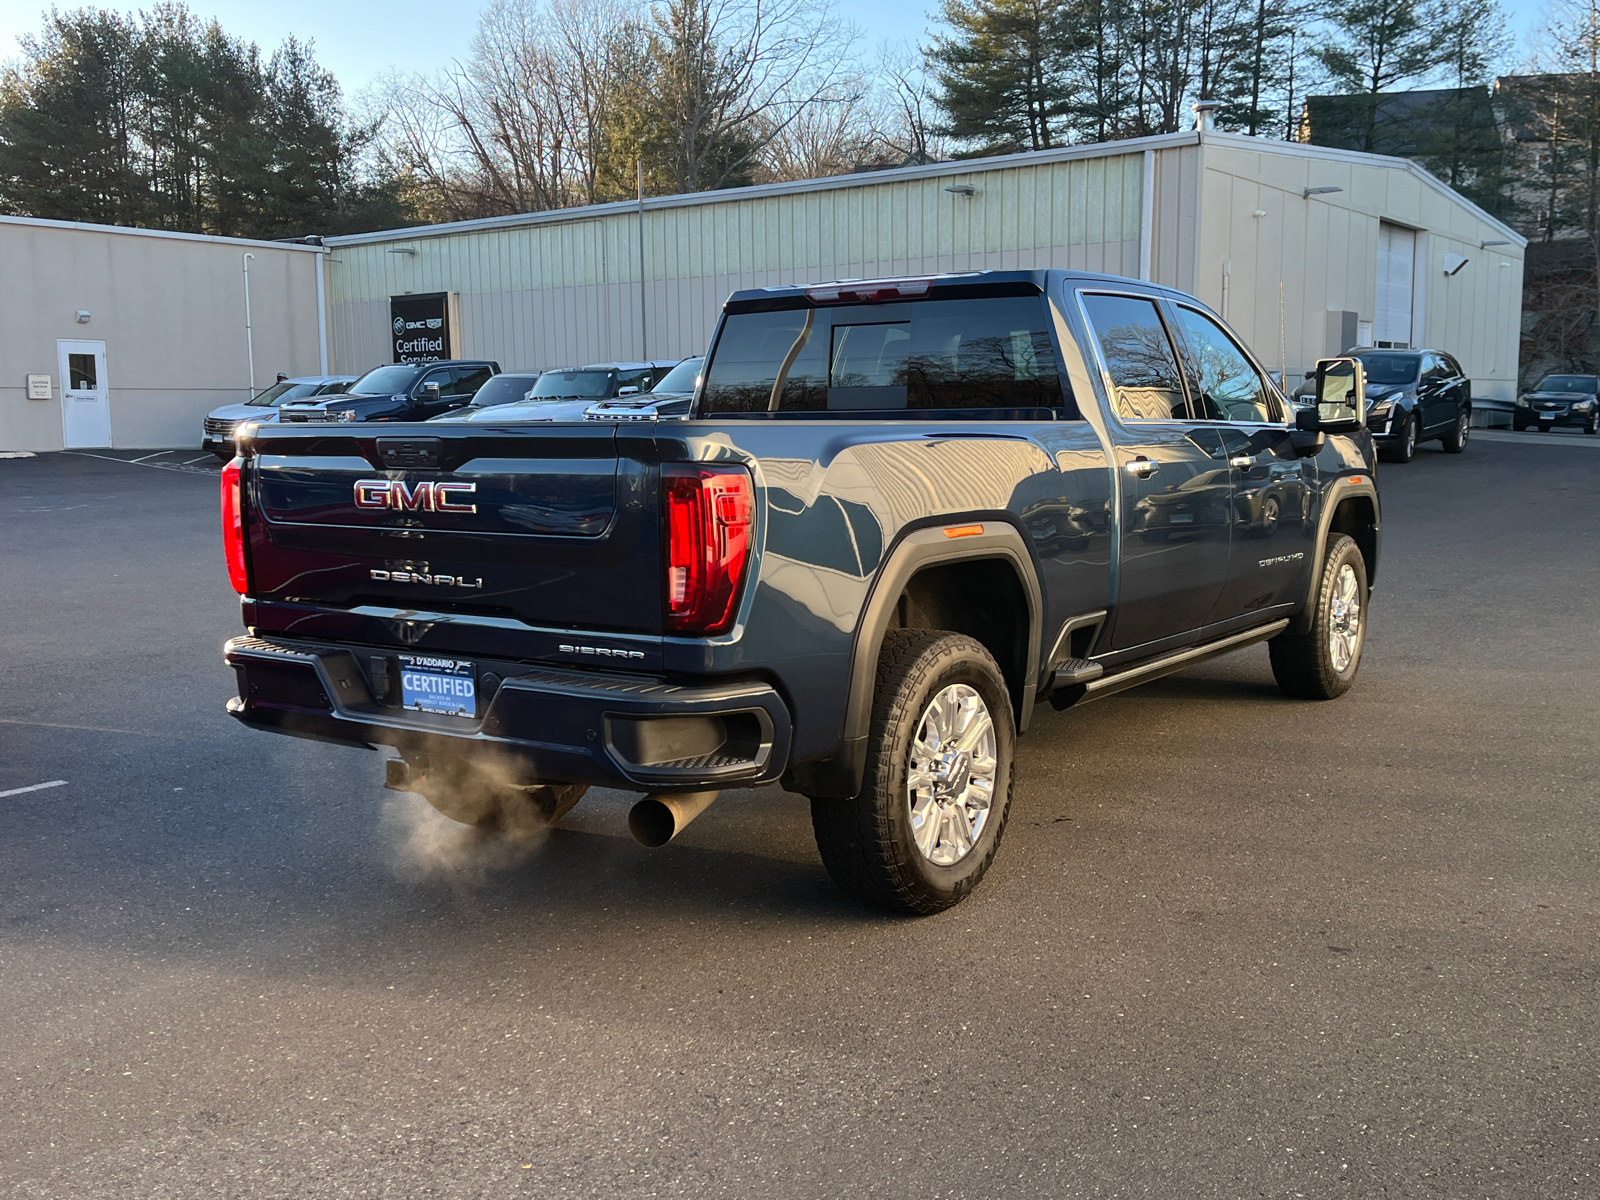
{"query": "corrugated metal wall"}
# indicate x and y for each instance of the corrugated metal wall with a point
(1259, 229)
(564, 289)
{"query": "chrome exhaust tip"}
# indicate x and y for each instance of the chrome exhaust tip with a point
(656, 820)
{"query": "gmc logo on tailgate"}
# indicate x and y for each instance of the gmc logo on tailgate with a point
(415, 497)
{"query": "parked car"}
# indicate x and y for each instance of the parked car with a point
(397, 392)
(566, 393)
(1416, 396)
(900, 515)
(509, 387)
(216, 432)
(1560, 400)
(669, 397)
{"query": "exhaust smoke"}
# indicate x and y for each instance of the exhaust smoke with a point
(465, 817)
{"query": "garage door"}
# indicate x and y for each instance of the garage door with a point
(1397, 253)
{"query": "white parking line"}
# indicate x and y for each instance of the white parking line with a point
(38, 787)
(148, 457)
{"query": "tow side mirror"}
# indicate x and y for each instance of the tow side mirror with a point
(430, 393)
(1341, 397)
(627, 391)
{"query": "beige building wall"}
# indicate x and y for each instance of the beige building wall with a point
(1257, 229)
(560, 289)
(169, 308)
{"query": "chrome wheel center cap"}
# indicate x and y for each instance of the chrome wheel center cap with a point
(951, 772)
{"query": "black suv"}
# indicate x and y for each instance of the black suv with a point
(1560, 400)
(398, 392)
(1416, 396)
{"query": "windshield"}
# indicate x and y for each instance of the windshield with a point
(1390, 368)
(680, 380)
(385, 381)
(573, 385)
(279, 392)
(503, 389)
(1568, 383)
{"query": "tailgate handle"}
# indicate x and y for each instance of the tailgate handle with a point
(401, 453)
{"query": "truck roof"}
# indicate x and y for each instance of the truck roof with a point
(946, 285)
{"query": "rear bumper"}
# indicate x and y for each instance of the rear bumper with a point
(555, 726)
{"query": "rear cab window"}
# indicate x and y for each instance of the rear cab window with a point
(990, 357)
(1138, 355)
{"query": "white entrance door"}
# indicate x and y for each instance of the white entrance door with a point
(1397, 256)
(85, 398)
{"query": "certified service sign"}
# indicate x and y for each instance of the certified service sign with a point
(421, 327)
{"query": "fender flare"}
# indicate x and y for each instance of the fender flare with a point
(916, 551)
(1338, 492)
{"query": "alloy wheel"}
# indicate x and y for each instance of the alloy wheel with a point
(951, 782)
(1344, 624)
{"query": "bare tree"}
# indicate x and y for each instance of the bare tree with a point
(907, 114)
(733, 75)
(828, 137)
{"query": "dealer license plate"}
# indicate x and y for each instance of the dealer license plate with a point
(1183, 518)
(438, 685)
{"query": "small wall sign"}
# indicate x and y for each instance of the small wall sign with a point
(39, 387)
(424, 327)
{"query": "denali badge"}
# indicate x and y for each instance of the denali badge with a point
(415, 497)
(460, 581)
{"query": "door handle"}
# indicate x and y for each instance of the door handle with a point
(1241, 461)
(1142, 467)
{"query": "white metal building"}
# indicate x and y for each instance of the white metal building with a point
(122, 337)
(127, 337)
(1306, 250)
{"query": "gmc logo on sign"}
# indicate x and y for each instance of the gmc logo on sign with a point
(415, 497)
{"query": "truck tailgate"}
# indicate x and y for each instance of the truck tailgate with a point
(545, 527)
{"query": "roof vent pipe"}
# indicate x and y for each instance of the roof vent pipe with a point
(1205, 114)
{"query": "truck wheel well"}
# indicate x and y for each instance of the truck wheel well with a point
(1356, 519)
(982, 599)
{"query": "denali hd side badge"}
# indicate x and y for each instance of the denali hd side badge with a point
(415, 497)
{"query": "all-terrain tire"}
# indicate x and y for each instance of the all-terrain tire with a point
(869, 842)
(1456, 440)
(1307, 666)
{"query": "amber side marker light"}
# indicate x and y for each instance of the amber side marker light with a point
(963, 531)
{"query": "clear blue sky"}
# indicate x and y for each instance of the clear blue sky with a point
(361, 39)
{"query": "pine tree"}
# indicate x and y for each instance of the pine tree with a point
(1001, 76)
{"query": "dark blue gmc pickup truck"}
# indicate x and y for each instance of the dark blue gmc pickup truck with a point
(900, 515)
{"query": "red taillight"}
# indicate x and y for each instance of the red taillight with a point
(233, 527)
(707, 522)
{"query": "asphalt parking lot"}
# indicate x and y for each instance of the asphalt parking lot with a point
(1234, 945)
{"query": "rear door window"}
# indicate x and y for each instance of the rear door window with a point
(985, 356)
(1138, 356)
(1225, 386)
(468, 381)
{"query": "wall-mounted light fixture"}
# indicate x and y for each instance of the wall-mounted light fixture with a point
(411, 250)
(1318, 191)
(1259, 213)
(83, 316)
(1497, 242)
(962, 189)
(1453, 263)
